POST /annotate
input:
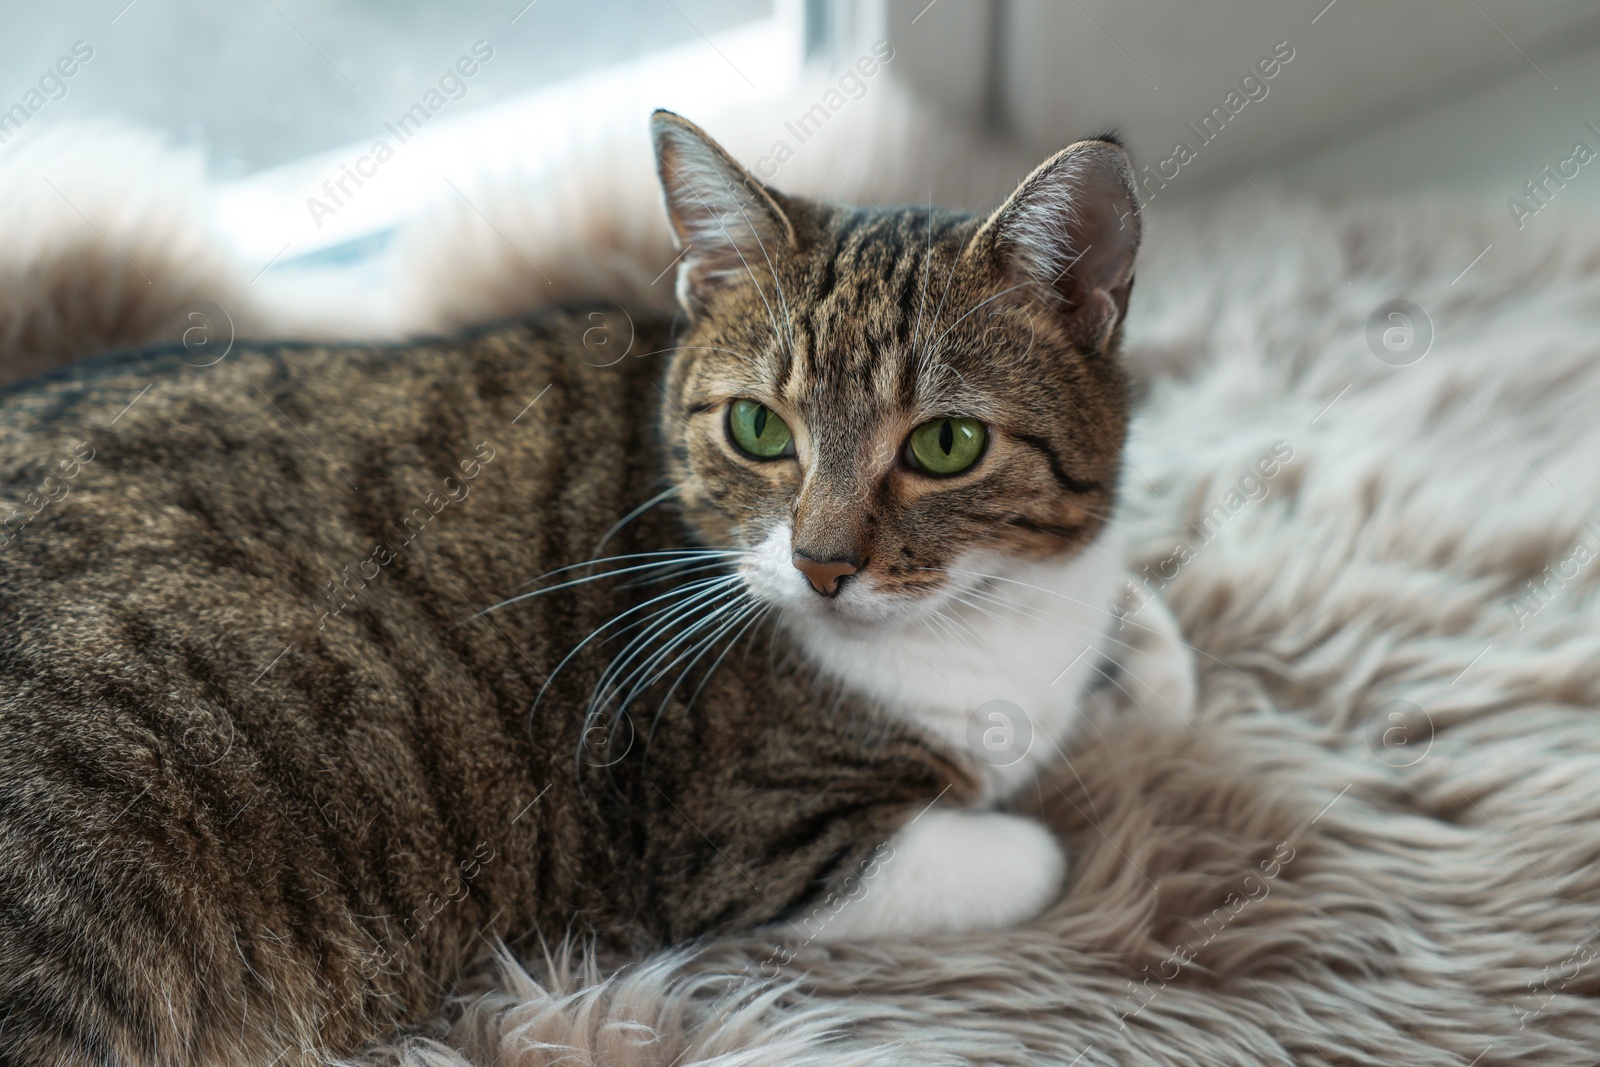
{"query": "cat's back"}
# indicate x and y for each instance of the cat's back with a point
(272, 485)
(237, 690)
(166, 458)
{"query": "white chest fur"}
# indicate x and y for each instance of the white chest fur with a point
(997, 671)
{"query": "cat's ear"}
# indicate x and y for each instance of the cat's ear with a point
(1069, 234)
(729, 226)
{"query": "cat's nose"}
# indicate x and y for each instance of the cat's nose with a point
(824, 574)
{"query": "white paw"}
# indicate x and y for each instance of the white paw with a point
(946, 872)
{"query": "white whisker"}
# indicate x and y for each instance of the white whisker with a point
(761, 612)
(927, 262)
(643, 664)
(777, 284)
(687, 589)
(934, 322)
(771, 318)
(667, 575)
(669, 554)
(747, 610)
(747, 357)
(713, 588)
(934, 350)
(572, 584)
(666, 494)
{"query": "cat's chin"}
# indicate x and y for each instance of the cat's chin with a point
(844, 620)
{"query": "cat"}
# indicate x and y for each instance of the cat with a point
(288, 739)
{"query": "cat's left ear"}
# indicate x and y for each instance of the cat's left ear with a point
(1069, 233)
(730, 227)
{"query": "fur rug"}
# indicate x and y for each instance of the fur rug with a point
(1378, 841)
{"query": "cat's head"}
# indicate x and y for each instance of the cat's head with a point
(876, 405)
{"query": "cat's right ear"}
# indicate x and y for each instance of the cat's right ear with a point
(1069, 234)
(729, 226)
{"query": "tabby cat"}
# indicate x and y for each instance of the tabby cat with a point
(271, 770)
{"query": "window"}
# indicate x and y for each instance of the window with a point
(291, 98)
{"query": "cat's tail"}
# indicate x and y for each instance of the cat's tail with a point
(105, 243)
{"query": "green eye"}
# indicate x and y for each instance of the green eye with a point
(946, 446)
(758, 431)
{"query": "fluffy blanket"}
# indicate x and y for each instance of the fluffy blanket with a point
(1378, 840)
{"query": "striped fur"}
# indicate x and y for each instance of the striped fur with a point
(857, 324)
(273, 777)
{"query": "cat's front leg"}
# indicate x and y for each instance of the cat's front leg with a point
(947, 871)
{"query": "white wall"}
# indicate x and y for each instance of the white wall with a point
(1049, 71)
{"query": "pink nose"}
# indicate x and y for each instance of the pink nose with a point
(824, 575)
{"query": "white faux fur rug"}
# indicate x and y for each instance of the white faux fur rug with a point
(1379, 842)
